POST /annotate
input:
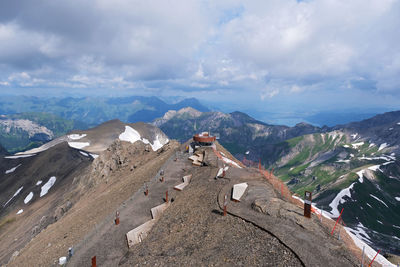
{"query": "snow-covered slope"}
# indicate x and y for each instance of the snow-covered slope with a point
(98, 139)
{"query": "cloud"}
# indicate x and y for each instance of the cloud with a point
(255, 49)
(269, 92)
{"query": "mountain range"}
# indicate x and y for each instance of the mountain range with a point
(71, 191)
(95, 110)
(351, 166)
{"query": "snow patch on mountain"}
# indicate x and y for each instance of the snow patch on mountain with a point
(382, 146)
(156, 143)
(354, 135)
(94, 155)
(15, 194)
(20, 156)
(387, 158)
(46, 187)
(379, 200)
(28, 198)
(131, 135)
(360, 176)
(361, 244)
(339, 199)
(78, 145)
(76, 136)
(12, 169)
(374, 168)
(84, 153)
(397, 198)
(20, 211)
(357, 145)
(39, 182)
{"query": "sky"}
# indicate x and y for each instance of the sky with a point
(279, 56)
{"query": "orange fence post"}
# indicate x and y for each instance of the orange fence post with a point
(117, 218)
(94, 261)
(166, 196)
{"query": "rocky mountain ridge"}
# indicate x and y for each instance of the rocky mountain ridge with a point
(19, 132)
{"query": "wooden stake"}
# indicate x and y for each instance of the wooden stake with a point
(94, 261)
(146, 192)
(166, 196)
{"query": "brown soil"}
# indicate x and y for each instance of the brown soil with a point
(99, 201)
(261, 230)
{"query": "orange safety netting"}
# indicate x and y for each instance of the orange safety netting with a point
(278, 185)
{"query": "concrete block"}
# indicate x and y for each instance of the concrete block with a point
(196, 163)
(138, 234)
(186, 180)
(193, 157)
(158, 210)
(238, 191)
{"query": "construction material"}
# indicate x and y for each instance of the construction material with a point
(238, 191)
(186, 180)
(138, 234)
(158, 210)
(197, 158)
(307, 204)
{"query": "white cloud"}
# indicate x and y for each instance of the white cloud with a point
(222, 47)
(269, 92)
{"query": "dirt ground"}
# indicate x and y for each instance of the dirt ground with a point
(97, 205)
(192, 231)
